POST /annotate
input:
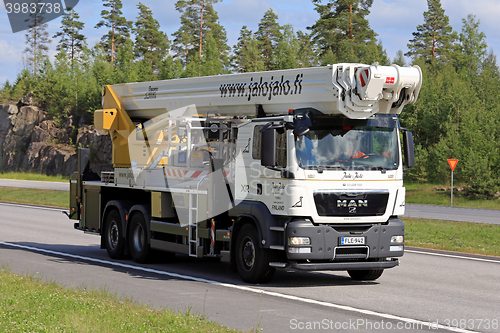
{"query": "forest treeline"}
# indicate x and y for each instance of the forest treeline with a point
(456, 115)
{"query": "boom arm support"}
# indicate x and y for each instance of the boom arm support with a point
(115, 119)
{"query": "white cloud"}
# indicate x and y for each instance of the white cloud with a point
(10, 57)
(395, 20)
(487, 11)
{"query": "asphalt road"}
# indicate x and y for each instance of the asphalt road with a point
(491, 216)
(441, 288)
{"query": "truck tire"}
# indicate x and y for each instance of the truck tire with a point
(252, 261)
(366, 275)
(137, 239)
(113, 235)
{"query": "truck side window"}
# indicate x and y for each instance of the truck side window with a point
(281, 149)
(280, 146)
(256, 143)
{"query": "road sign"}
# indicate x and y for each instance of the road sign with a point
(453, 163)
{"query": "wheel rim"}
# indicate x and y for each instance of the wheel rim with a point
(113, 234)
(138, 238)
(248, 253)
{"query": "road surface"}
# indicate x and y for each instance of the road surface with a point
(429, 290)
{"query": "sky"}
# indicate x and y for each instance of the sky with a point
(393, 21)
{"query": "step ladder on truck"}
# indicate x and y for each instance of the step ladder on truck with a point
(299, 168)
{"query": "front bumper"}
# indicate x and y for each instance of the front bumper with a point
(326, 246)
(344, 266)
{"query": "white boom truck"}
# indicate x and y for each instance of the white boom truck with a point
(299, 168)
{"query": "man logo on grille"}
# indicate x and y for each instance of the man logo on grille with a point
(352, 205)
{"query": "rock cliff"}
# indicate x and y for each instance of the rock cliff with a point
(30, 142)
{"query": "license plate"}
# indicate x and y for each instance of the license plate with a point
(352, 240)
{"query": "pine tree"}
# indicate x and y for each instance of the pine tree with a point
(399, 59)
(37, 38)
(307, 54)
(71, 44)
(472, 47)
(342, 33)
(286, 53)
(210, 64)
(218, 32)
(197, 20)
(435, 38)
(125, 68)
(170, 68)
(89, 89)
(184, 43)
(487, 85)
(72, 41)
(102, 69)
(268, 35)
(151, 44)
(246, 53)
(6, 92)
(381, 55)
(119, 27)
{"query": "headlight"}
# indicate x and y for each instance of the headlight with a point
(397, 239)
(299, 241)
(299, 250)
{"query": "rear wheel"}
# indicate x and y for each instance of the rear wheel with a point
(113, 235)
(366, 275)
(137, 238)
(252, 261)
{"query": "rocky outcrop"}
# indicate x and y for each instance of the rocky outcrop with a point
(32, 143)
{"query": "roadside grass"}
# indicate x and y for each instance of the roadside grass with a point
(467, 237)
(33, 176)
(27, 304)
(424, 194)
(35, 196)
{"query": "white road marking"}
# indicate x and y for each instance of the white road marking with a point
(452, 256)
(244, 288)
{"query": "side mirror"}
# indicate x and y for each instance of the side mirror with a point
(302, 122)
(268, 148)
(408, 149)
(300, 130)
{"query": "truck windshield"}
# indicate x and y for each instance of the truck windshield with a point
(341, 144)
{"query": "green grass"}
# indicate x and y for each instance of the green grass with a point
(475, 238)
(424, 194)
(33, 176)
(27, 304)
(35, 196)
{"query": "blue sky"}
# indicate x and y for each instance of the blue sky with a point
(393, 20)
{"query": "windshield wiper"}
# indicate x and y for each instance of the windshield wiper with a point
(370, 168)
(334, 167)
(378, 167)
(321, 168)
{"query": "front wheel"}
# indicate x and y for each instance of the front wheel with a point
(252, 261)
(366, 275)
(137, 237)
(113, 235)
